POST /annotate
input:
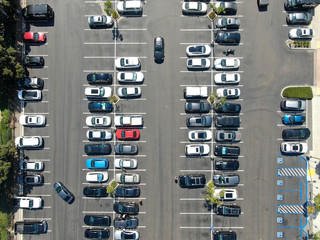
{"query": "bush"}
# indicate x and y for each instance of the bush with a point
(4, 225)
(298, 92)
(317, 202)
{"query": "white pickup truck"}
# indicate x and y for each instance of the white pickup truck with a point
(128, 121)
(28, 202)
(196, 92)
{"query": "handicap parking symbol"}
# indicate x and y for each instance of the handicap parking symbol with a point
(279, 234)
(279, 197)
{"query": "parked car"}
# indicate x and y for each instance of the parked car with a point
(33, 61)
(194, 8)
(227, 165)
(194, 150)
(97, 163)
(126, 149)
(34, 37)
(30, 83)
(226, 63)
(129, 7)
(99, 135)
(95, 191)
(31, 166)
(127, 191)
(95, 233)
(100, 106)
(202, 121)
(30, 227)
(126, 207)
(98, 92)
(34, 179)
(200, 135)
(28, 202)
(127, 223)
(32, 120)
(226, 151)
(198, 50)
(197, 107)
(226, 180)
(228, 7)
(29, 95)
(126, 234)
(97, 177)
(192, 181)
(294, 148)
(198, 63)
(130, 77)
(128, 121)
(129, 92)
(232, 136)
(99, 78)
(227, 78)
(299, 18)
(97, 220)
(229, 210)
(124, 63)
(63, 192)
(302, 33)
(295, 134)
(127, 178)
(228, 22)
(290, 119)
(226, 194)
(227, 37)
(29, 142)
(227, 108)
(224, 235)
(227, 122)
(128, 134)
(228, 92)
(127, 163)
(158, 51)
(293, 105)
(300, 4)
(98, 121)
(100, 21)
(98, 149)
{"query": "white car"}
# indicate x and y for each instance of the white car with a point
(226, 63)
(129, 6)
(29, 202)
(32, 120)
(301, 33)
(198, 50)
(98, 92)
(126, 234)
(228, 92)
(30, 95)
(130, 77)
(29, 142)
(128, 121)
(194, 8)
(194, 150)
(198, 63)
(127, 63)
(127, 178)
(31, 166)
(200, 135)
(99, 135)
(294, 147)
(128, 92)
(97, 177)
(100, 21)
(125, 163)
(98, 121)
(227, 78)
(226, 194)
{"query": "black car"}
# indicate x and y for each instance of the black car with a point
(300, 4)
(229, 210)
(226, 151)
(30, 83)
(228, 7)
(192, 181)
(98, 78)
(159, 49)
(224, 235)
(126, 149)
(127, 191)
(63, 192)
(127, 223)
(95, 191)
(33, 61)
(228, 108)
(100, 106)
(197, 107)
(25, 179)
(31, 227)
(97, 233)
(203, 121)
(227, 122)
(295, 134)
(227, 37)
(227, 165)
(97, 220)
(98, 149)
(126, 208)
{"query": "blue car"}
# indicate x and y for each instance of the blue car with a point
(97, 163)
(293, 119)
(100, 106)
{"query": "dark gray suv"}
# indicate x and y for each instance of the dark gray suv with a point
(158, 49)
(226, 180)
(63, 192)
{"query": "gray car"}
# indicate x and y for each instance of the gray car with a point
(126, 149)
(233, 136)
(127, 223)
(63, 192)
(203, 121)
(299, 18)
(226, 180)
(293, 105)
(197, 107)
(228, 22)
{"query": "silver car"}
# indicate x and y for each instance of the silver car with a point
(233, 136)
(228, 22)
(129, 92)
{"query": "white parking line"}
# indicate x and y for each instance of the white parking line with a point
(46, 148)
(42, 195)
(89, 71)
(36, 113)
(47, 207)
(210, 227)
(111, 43)
(122, 29)
(198, 213)
(97, 212)
(40, 55)
(47, 183)
(46, 172)
(194, 43)
(35, 219)
(200, 199)
(196, 30)
(41, 160)
(98, 57)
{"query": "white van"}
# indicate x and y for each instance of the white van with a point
(129, 7)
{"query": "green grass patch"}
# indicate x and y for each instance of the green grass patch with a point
(5, 130)
(298, 92)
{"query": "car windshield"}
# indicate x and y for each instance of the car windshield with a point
(101, 92)
(223, 62)
(299, 32)
(129, 224)
(188, 181)
(99, 177)
(122, 178)
(134, 76)
(224, 150)
(124, 91)
(224, 21)
(203, 62)
(120, 208)
(122, 62)
(58, 189)
(36, 36)
(31, 203)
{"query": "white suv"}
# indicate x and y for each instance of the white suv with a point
(98, 92)
(29, 142)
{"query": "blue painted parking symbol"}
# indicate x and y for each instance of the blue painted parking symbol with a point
(279, 160)
(279, 220)
(279, 182)
(279, 197)
(279, 234)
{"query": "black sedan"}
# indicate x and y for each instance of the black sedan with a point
(127, 191)
(97, 220)
(97, 233)
(227, 37)
(93, 191)
(228, 108)
(98, 149)
(63, 192)
(126, 208)
(127, 223)
(30, 83)
(97, 78)
(227, 165)
(158, 49)
(100, 106)
(226, 151)
(192, 181)
(295, 134)
(224, 235)
(33, 61)
(227, 122)
(197, 107)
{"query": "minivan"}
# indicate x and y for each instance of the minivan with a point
(129, 7)
(38, 12)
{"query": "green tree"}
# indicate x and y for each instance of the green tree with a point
(4, 225)
(317, 201)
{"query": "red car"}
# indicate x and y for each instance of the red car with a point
(34, 37)
(128, 134)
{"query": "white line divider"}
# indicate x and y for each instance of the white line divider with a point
(120, 43)
(210, 227)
